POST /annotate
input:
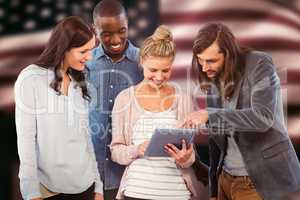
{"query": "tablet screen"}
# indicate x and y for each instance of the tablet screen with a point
(162, 137)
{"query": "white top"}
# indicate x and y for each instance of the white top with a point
(154, 178)
(54, 143)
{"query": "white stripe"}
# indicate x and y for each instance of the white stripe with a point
(7, 92)
(150, 169)
(152, 177)
(159, 193)
(241, 29)
(157, 185)
(293, 95)
(297, 5)
(24, 40)
(294, 126)
(141, 195)
(187, 6)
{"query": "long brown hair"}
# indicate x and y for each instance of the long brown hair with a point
(233, 53)
(69, 33)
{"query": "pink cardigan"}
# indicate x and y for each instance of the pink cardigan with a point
(125, 114)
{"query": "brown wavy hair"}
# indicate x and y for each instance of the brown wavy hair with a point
(69, 33)
(234, 56)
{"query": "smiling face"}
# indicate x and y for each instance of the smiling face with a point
(212, 61)
(78, 56)
(113, 34)
(157, 70)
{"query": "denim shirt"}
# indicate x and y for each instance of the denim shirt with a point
(106, 79)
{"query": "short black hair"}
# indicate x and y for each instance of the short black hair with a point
(108, 8)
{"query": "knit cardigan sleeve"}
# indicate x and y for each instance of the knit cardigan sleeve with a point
(122, 149)
(185, 107)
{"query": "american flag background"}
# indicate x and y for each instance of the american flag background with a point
(269, 25)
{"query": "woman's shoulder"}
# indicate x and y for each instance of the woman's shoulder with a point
(125, 96)
(31, 74)
(32, 71)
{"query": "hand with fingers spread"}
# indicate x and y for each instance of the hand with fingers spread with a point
(142, 148)
(194, 119)
(181, 156)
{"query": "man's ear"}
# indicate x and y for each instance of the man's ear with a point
(97, 33)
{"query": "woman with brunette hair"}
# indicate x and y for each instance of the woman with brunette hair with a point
(57, 158)
(138, 110)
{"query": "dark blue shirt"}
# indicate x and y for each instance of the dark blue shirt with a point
(106, 79)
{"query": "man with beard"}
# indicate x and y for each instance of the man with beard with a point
(251, 155)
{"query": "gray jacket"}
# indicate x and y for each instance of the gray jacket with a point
(257, 125)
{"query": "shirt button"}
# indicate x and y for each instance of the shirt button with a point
(106, 159)
(112, 70)
(111, 86)
(110, 101)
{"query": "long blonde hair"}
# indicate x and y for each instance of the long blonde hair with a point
(160, 44)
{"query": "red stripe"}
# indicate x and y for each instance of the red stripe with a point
(268, 43)
(293, 76)
(226, 15)
(22, 51)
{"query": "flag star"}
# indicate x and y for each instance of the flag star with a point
(61, 4)
(132, 32)
(142, 23)
(30, 8)
(143, 5)
(30, 24)
(2, 12)
(60, 16)
(45, 12)
(132, 12)
(87, 5)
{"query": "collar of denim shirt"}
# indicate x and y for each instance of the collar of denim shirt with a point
(129, 53)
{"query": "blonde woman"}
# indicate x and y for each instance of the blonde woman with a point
(138, 110)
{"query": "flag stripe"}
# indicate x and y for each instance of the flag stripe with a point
(227, 15)
(256, 43)
(290, 10)
(286, 77)
(248, 29)
(288, 60)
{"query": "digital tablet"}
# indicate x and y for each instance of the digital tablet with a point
(162, 137)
